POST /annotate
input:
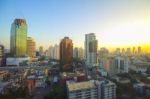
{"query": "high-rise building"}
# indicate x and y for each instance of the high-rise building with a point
(139, 50)
(46, 53)
(102, 59)
(31, 47)
(103, 52)
(117, 52)
(53, 52)
(66, 54)
(75, 52)
(107, 90)
(118, 64)
(123, 51)
(81, 53)
(18, 42)
(41, 51)
(1, 55)
(128, 52)
(91, 49)
(56, 52)
(133, 51)
(93, 89)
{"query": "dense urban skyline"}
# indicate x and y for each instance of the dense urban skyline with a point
(115, 23)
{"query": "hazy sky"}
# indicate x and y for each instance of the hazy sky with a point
(115, 22)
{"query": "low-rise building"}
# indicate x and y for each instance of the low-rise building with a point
(12, 61)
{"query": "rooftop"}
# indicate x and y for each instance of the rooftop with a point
(72, 86)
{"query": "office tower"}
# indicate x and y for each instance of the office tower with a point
(56, 52)
(139, 50)
(66, 54)
(123, 51)
(103, 52)
(46, 53)
(81, 53)
(93, 89)
(31, 47)
(75, 53)
(133, 51)
(1, 55)
(18, 40)
(41, 51)
(118, 51)
(128, 52)
(91, 49)
(102, 59)
(51, 52)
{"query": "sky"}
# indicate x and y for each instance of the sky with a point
(116, 23)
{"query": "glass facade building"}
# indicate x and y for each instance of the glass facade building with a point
(18, 42)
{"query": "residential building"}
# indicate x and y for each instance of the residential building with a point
(118, 64)
(107, 90)
(53, 52)
(92, 89)
(66, 54)
(31, 47)
(91, 49)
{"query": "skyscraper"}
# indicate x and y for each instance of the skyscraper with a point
(91, 49)
(81, 53)
(18, 42)
(31, 47)
(66, 54)
(56, 52)
(75, 53)
(41, 50)
(139, 50)
(53, 52)
(133, 51)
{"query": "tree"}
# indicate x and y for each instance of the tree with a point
(57, 92)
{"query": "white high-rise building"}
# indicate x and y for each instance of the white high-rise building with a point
(122, 64)
(118, 64)
(56, 52)
(91, 49)
(50, 52)
(53, 52)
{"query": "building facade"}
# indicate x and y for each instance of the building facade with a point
(118, 64)
(75, 53)
(53, 52)
(31, 47)
(91, 49)
(66, 54)
(1, 55)
(41, 50)
(92, 89)
(18, 39)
